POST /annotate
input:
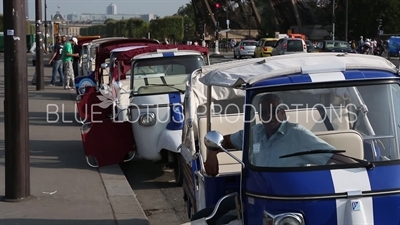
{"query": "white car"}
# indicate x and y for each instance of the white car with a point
(289, 46)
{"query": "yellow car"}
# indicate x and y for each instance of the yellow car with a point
(264, 47)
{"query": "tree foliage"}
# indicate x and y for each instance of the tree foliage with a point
(362, 17)
(171, 27)
(186, 11)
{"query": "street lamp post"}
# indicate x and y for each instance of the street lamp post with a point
(333, 20)
(347, 21)
(45, 24)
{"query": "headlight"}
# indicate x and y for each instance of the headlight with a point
(147, 119)
(283, 219)
(289, 220)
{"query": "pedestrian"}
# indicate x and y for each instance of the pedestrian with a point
(56, 62)
(77, 59)
(360, 44)
(33, 51)
(64, 39)
(67, 58)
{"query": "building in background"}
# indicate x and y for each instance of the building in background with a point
(73, 17)
(103, 17)
(111, 9)
(27, 9)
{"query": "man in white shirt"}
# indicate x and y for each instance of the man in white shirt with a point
(33, 51)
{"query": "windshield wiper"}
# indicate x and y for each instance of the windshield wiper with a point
(367, 164)
(169, 85)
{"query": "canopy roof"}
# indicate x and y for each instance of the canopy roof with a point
(127, 56)
(124, 58)
(236, 73)
(104, 49)
(128, 48)
(86, 39)
(226, 78)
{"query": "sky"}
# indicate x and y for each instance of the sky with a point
(158, 7)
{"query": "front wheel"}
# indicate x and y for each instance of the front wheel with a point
(178, 172)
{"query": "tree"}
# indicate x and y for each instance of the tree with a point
(173, 27)
(108, 20)
(137, 28)
(186, 11)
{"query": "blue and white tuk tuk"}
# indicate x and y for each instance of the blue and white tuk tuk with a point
(350, 101)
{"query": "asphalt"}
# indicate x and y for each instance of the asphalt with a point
(64, 189)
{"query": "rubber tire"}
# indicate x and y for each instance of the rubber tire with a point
(178, 172)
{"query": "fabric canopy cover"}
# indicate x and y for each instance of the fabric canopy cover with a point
(124, 58)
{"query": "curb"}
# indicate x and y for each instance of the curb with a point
(124, 204)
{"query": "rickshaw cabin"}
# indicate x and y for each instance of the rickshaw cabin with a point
(104, 49)
(124, 58)
(337, 133)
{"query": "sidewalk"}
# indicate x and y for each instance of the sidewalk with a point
(64, 189)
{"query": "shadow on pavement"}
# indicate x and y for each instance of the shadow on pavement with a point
(50, 93)
(55, 154)
(139, 180)
(53, 117)
(72, 222)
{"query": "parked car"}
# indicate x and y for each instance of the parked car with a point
(334, 46)
(264, 47)
(310, 46)
(245, 48)
(289, 46)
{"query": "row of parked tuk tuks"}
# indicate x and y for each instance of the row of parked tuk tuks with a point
(139, 98)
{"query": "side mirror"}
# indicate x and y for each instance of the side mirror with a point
(213, 141)
(104, 65)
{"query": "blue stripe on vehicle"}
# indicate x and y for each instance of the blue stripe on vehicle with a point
(168, 54)
(386, 209)
(305, 78)
(176, 112)
(390, 180)
(300, 183)
(292, 183)
(367, 74)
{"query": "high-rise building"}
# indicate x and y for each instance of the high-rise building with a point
(26, 9)
(112, 9)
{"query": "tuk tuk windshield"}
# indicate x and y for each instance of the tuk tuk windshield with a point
(163, 75)
(308, 126)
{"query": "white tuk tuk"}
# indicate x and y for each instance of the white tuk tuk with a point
(158, 74)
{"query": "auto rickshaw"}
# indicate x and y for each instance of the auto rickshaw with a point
(393, 47)
(97, 119)
(156, 86)
(347, 101)
(92, 48)
(150, 63)
(83, 43)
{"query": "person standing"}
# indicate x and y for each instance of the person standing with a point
(56, 62)
(77, 59)
(67, 58)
